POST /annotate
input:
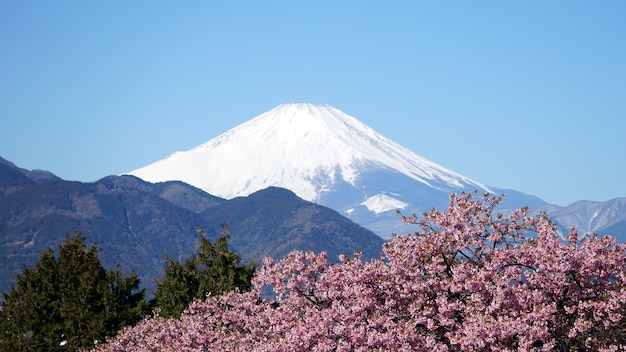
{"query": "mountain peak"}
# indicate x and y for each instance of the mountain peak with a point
(302, 107)
(307, 148)
(303, 111)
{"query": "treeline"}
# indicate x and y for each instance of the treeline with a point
(69, 301)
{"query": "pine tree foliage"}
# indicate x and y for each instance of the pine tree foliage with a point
(212, 270)
(67, 303)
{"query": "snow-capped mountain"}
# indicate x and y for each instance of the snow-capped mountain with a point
(590, 217)
(321, 154)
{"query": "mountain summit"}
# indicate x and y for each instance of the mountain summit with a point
(306, 148)
(320, 153)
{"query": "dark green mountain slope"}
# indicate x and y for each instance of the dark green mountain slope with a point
(135, 222)
(275, 221)
(132, 227)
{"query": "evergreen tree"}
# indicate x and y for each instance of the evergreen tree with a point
(213, 270)
(67, 303)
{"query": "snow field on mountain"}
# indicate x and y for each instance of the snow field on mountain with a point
(306, 148)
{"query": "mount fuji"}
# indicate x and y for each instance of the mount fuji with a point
(325, 156)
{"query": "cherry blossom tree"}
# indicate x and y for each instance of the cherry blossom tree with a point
(469, 279)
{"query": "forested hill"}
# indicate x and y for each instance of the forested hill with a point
(135, 222)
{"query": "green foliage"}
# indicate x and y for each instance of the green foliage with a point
(213, 270)
(67, 303)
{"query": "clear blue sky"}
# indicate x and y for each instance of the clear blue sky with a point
(528, 95)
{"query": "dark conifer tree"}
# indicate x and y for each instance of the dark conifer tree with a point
(68, 303)
(213, 269)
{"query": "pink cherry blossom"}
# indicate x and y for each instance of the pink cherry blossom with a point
(469, 279)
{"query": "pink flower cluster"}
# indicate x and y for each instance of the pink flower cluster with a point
(468, 280)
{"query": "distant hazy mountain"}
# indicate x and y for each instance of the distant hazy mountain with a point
(592, 217)
(325, 156)
(135, 222)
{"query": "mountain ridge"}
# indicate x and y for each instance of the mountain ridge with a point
(135, 223)
(325, 156)
(329, 157)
